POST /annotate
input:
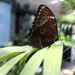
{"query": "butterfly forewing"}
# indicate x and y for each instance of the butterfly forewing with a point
(44, 29)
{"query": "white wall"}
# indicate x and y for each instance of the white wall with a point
(52, 4)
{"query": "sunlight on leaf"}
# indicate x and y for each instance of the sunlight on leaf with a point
(53, 59)
(8, 66)
(34, 62)
(15, 49)
(8, 56)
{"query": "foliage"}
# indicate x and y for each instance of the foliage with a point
(68, 5)
(26, 60)
(69, 19)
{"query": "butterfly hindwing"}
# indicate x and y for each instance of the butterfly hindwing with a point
(44, 29)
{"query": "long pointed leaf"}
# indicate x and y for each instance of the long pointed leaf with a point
(53, 59)
(8, 56)
(15, 49)
(32, 65)
(8, 66)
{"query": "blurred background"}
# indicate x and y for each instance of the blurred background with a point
(16, 18)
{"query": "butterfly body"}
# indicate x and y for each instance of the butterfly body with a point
(44, 29)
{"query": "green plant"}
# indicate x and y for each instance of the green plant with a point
(25, 60)
(68, 5)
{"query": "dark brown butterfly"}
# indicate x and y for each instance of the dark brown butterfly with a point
(44, 29)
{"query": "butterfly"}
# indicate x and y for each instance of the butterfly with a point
(44, 28)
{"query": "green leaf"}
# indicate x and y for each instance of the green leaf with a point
(34, 62)
(8, 66)
(8, 56)
(15, 49)
(69, 43)
(67, 18)
(53, 59)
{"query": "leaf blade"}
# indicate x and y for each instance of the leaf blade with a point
(31, 66)
(53, 59)
(7, 66)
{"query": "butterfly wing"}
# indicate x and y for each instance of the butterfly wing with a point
(44, 29)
